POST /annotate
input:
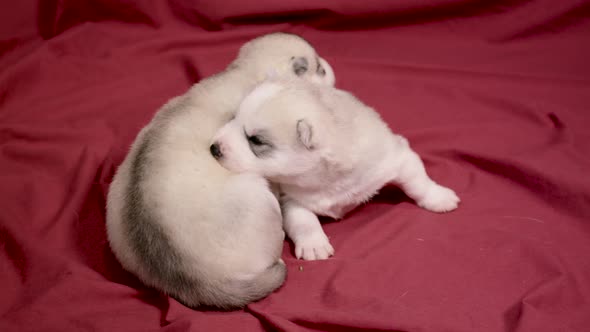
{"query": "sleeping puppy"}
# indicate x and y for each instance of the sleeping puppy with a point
(182, 223)
(328, 151)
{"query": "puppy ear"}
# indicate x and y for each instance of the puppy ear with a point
(300, 65)
(305, 134)
(329, 75)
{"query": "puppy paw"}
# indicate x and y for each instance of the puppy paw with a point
(313, 246)
(439, 199)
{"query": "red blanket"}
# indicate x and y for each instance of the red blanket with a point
(494, 95)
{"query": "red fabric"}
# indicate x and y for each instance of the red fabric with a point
(493, 94)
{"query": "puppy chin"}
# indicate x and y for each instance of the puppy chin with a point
(232, 165)
(236, 160)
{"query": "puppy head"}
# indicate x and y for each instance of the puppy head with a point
(286, 56)
(276, 133)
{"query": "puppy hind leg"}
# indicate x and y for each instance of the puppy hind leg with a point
(305, 230)
(414, 181)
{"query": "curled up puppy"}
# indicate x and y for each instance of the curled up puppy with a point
(328, 151)
(182, 223)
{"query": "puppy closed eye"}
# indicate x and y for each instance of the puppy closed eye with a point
(259, 145)
(255, 140)
(300, 65)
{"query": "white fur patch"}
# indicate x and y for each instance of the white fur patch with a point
(259, 96)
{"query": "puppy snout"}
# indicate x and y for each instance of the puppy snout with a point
(216, 151)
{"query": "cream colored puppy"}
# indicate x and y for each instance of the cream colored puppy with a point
(182, 223)
(328, 151)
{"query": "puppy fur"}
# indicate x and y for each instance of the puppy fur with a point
(328, 152)
(182, 223)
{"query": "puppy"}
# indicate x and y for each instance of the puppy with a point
(182, 223)
(328, 152)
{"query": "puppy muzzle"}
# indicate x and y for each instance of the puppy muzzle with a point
(215, 151)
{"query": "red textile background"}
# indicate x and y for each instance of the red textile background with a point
(495, 96)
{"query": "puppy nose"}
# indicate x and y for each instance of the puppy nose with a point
(215, 151)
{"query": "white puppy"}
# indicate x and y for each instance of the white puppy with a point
(181, 222)
(328, 151)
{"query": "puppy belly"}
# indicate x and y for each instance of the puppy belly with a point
(338, 205)
(336, 211)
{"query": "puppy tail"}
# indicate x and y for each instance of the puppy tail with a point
(244, 291)
(234, 293)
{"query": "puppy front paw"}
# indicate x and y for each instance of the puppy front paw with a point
(439, 199)
(313, 246)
